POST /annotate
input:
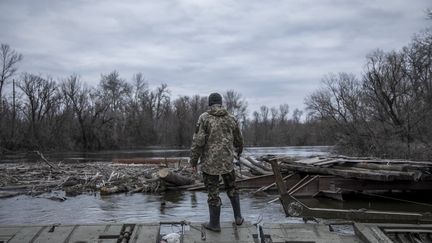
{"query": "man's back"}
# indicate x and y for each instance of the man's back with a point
(217, 138)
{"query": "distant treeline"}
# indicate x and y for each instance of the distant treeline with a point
(386, 112)
(45, 114)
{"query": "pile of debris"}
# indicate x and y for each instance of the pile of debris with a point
(120, 175)
(77, 178)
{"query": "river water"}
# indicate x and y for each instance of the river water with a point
(169, 206)
(298, 151)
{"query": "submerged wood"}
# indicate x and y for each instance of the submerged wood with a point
(258, 164)
(112, 190)
(248, 164)
(169, 176)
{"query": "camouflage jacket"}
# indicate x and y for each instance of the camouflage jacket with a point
(216, 139)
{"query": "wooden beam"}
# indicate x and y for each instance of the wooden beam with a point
(298, 209)
(306, 183)
(280, 184)
(347, 173)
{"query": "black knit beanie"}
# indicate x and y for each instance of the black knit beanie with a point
(215, 98)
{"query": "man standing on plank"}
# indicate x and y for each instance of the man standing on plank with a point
(216, 140)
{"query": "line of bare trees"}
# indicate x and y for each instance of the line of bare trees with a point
(386, 112)
(38, 112)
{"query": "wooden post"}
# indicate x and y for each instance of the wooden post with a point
(280, 184)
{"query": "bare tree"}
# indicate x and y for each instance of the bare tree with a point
(235, 104)
(41, 99)
(297, 114)
(283, 112)
(274, 112)
(79, 96)
(9, 59)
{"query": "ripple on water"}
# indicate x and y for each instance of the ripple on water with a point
(174, 206)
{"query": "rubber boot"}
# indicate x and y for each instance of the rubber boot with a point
(235, 202)
(214, 223)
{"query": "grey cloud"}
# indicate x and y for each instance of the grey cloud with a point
(271, 51)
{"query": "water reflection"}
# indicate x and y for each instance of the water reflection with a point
(194, 201)
(172, 206)
(135, 208)
(109, 155)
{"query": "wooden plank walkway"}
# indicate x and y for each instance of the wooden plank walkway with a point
(192, 233)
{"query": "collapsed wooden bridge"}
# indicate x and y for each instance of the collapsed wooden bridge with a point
(326, 177)
(334, 176)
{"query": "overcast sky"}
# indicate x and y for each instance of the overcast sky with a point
(272, 52)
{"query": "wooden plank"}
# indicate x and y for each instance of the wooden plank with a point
(415, 175)
(370, 235)
(59, 234)
(407, 230)
(265, 188)
(298, 183)
(89, 233)
(300, 233)
(257, 164)
(389, 161)
(9, 231)
(370, 175)
(306, 185)
(330, 194)
(25, 234)
(145, 233)
(280, 184)
(242, 233)
(248, 164)
(298, 209)
(255, 182)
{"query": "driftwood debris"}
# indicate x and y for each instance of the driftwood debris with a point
(169, 176)
(45, 160)
(150, 161)
(259, 164)
(253, 167)
(78, 178)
